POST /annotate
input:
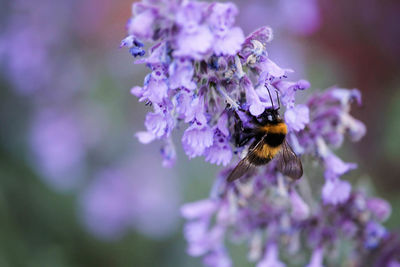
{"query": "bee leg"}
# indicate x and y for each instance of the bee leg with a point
(244, 140)
(243, 136)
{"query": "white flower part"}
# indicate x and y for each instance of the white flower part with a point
(145, 137)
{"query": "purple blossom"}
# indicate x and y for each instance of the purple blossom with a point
(317, 258)
(210, 80)
(271, 257)
(218, 258)
(300, 209)
(156, 87)
(38, 73)
(228, 40)
(168, 152)
(196, 139)
(59, 148)
(194, 39)
(220, 152)
(135, 46)
(335, 191)
(141, 25)
(374, 233)
(159, 124)
(105, 202)
(181, 73)
(195, 111)
(379, 207)
(288, 90)
(272, 69)
(297, 118)
(256, 107)
(335, 167)
(394, 263)
(202, 208)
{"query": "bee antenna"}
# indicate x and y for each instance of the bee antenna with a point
(277, 97)
(270, 97)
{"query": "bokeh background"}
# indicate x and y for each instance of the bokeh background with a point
(77, 189)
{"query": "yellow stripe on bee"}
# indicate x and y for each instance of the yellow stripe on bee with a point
(279, 128)
(267, 152)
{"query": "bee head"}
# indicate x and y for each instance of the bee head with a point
(271, 116)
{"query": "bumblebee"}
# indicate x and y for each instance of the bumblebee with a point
(269, 134)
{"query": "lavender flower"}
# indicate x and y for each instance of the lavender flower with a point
(113, 203)
(61, 163)
(207, 78)
(34, 68)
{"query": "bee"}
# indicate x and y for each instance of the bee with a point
(269, 134)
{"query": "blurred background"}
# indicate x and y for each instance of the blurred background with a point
(77, 189)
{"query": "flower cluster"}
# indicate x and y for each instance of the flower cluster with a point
(267, 214)
(200, 65)
(207, 76)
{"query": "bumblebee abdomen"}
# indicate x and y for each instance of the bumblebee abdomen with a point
(274, 139)
(264, 155)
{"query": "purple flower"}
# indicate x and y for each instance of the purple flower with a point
(256, 107)
(335, 191)
(195, 111)
(228, 40)
(169, 153)
(335, 167)
(106, 201)
(373, 235)
(297, 117)
(156, 124)
(317, 258)
(194, 44)
(218, 258)
(59, 147)
(181, 74)
(272, 69)
(38, 73)
(159, 124)
(271, 257)
(288, 90)
(220, 152)
(394, 263)
(196, 139)
(380, 208)
(206, 77)
(300, 209)
(263, 35)
(135, 46)
(141, 25)
(202, 208)
(194, 39)
(202, 240)
(156, 87)
(184, 106)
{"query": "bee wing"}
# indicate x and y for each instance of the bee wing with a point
(245, 164)
(288, 162)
